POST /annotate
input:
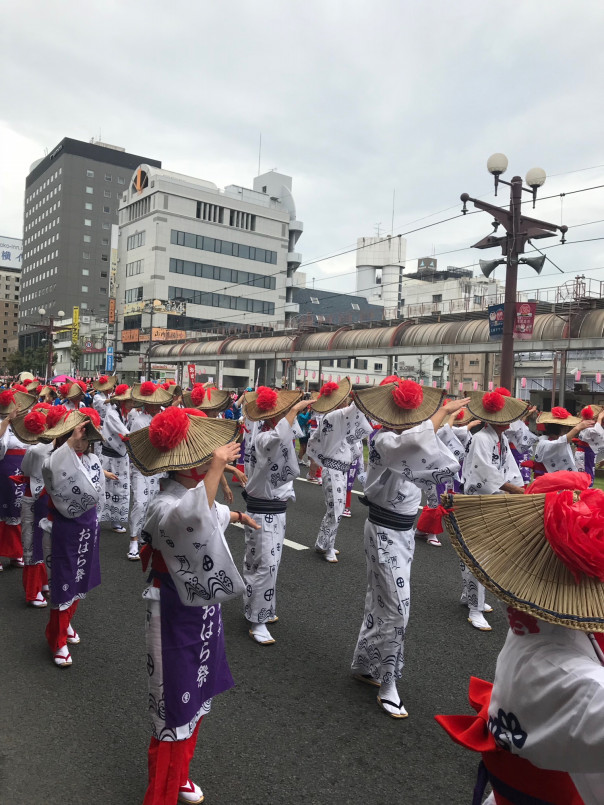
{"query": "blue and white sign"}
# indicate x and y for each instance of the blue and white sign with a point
(110, 360)
(11, 252)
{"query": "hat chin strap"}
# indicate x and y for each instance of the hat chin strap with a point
(194, 474)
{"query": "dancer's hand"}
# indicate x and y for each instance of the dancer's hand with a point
(110, 476)
(227, 454)
(454, 405)
(78, 440)
(227, 494)
(245, 520)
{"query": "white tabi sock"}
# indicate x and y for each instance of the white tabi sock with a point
(261, 630)
(133, 548)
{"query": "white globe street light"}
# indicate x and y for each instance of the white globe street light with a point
(497, 164)
(535, 177)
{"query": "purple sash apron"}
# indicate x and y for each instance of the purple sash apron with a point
(74, 556)
(519, 457)
(353, 471)
(194, 661)
(10, 493)
(40, 511)
(585, 459)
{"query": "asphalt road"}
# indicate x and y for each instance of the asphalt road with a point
(295, 729)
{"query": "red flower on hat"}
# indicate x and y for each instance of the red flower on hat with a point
(35, 422)
(165, 386)
(121, 389)
(42, 406)
(575, 531)
(82, 385)
(560, 413)
(327, 389)
(92, 415)
(168, 429)
(64, 390)
(198, 395)
(195, 412)
(408, 394)
(7, 397)
(587, 412)
(390, 379)
(461, 413)
(171, 382)
(147, 388)
(503, 391)
(19, 387)
(493, 401)
(266, 399)
(103, 379)
(54, 416)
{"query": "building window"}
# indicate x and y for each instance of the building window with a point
(90, 174)
(437, 297)
(121, 180)
(89, 189)
(474, 363)
(354, 306)
(88, 205)
(219, 246)
(87, 222)
(85, 272)
(107, 194)
(222, 274)
(103, 290)
(478, 300)
(314, 300)
(105, 242)
(107, 177)
(103, 274)
(104, 258)
(377, 367)
(106, 209)
(360, 364)
(210, 212)
(239, 303)
(84, 289)
(84, 305)
(86, 255)
(134, 268)
(134, 294)
(242, 220)
(87, 238)
(136, 240)
(106, 225)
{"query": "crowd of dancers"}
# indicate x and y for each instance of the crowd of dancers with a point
(149, 462)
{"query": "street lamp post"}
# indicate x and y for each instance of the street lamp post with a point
(49, 330)
(520, 230)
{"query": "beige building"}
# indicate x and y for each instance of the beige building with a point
(11, 255)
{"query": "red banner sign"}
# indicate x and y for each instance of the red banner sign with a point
(192, 373)
(524, 321)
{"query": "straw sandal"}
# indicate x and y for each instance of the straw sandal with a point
(367, 679)
(398, 711)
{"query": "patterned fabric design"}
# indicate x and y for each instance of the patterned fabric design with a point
(263, 549)
(334, 489)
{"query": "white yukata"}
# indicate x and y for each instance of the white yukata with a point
(115, 459)
(399, 463)
(191, 566)
(273, 466)
(547, 703)
(98, 403)
(143, 487)
(31, 467)
(555, 454)
(331, 447)
(488, 465)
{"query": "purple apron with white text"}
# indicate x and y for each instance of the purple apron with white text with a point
(353, 471)
(10, 493)
(74, 556)
(585, 458)
(194, 662)
(40, 512)
(519, 457)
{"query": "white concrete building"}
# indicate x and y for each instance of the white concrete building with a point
(213, 258)
(379, 271)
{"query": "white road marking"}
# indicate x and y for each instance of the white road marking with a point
(290, 543)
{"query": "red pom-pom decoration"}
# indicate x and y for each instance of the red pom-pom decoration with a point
(92, 415)
(55, 415)
(35, 422)
(560, 413)
(327, 389)
(7, 397)
(587, 412)
(171, 382)
(194, 412)
(165, 386)
(42, 406)
(390, 379)
(121, 389)
(493, 401)
(147, 388)
(503, 391)
(266, 398)
(198, 395)
(64, 390)
(103, 380)
(20, 387)
(408, 394)
(168, 429)
(82, 385)
(461, 413)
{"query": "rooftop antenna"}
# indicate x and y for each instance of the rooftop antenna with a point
(259, 153)
(377, 228)
(393, 197)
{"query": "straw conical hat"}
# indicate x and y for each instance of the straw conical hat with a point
(25, 377)
(121, 397)
(45, 389)
(378, 403)
(501, 539)
(69, 423)
(150, 394)
(215, 400)
(284, 401)
(9, 400)
(495, 409)
(28, 427)
(327, 402)
(596, 410)
(75, 390)
(32, 386)
(203, 436)
(104, 383)
(558, 416)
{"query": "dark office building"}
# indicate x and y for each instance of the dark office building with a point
(71, 204)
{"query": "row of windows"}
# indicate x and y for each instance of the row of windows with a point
(43, 201)
(88, 222)
(104, 241)
(41, 217)
(108, 177)
(222, 247)
(139, 208)
(242, 220)
(136, 240)
(221, 300)
(210, 212)
(44, 185)
(134, 268)
(86, 273)
(219, 273)
(134, 294)
(88, 206)
(90, 190)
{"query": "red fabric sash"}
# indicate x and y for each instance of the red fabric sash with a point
(555, 787)
(15, 452)
(430, 520)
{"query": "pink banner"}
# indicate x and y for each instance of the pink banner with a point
(434, 384)
(525, 318)
(578, 375)
(460, 386)
(475, 386)
(523, 382)
(448, 385)
(598, 378)
(490, 385)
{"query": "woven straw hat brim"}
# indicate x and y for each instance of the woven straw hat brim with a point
(110, 384)
(23, 402)
(32, 387)
(74, 419)
(74, 391)
(512, 410)
(377, 403)
(285, 401)
(218, 401)
(327, 403)
(203, 437)
(25, 376)
(546, 418)
(21, 431)
(465, 420)
(45, 389)
(119, 397)
(174, 391)
(501, 539)
(159, 397)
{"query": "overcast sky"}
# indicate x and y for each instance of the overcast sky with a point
(353, 99)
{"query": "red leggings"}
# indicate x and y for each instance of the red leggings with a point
(34, 578)
(169, 768)
(58, 623)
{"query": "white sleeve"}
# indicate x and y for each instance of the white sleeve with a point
(481, 474)
(67, 482)
(594, 437)
(268, 439)
(522, 437)
(357, 424)
(4, 443)
(417, 453)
